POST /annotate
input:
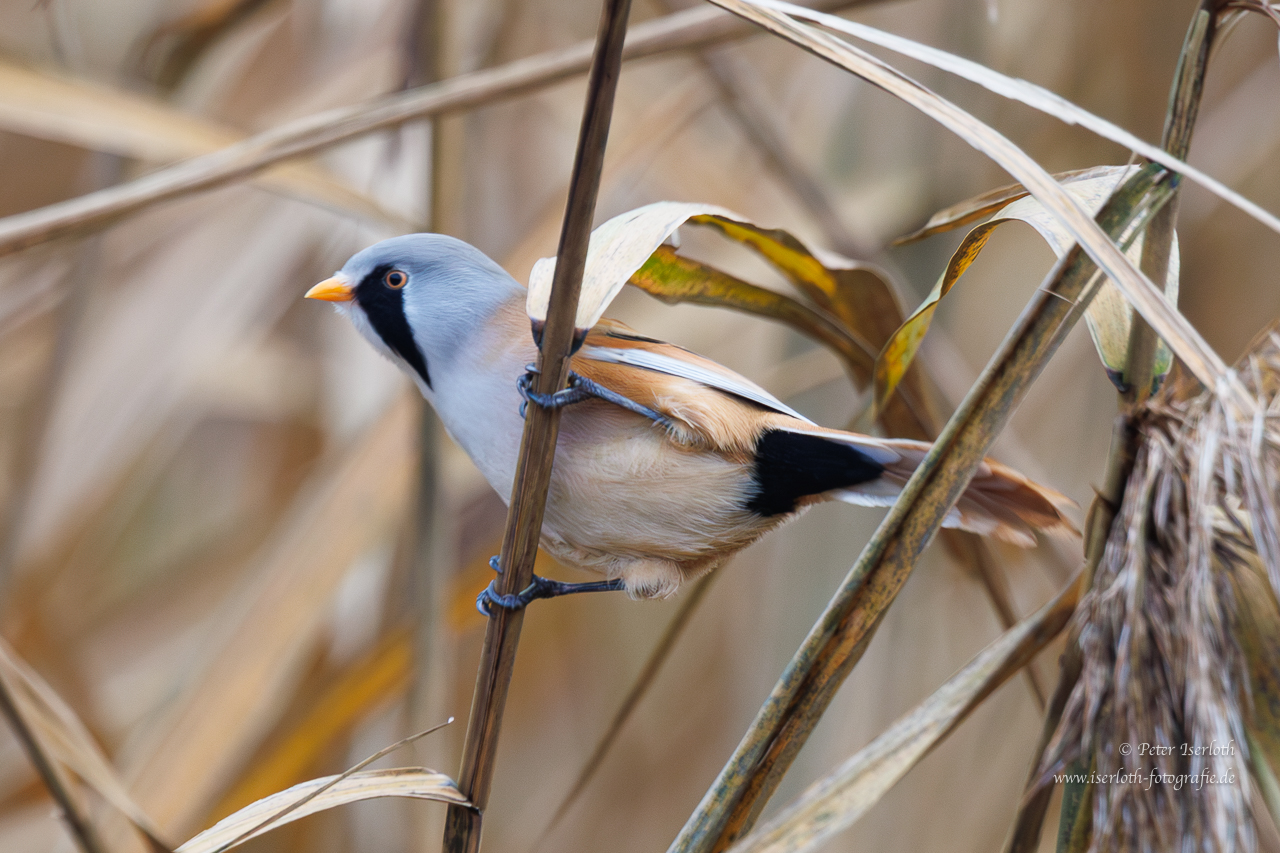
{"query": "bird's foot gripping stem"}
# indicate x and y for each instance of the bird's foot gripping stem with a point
(579, 388)
(540, 587)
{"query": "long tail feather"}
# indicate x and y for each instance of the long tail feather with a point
(999, 501)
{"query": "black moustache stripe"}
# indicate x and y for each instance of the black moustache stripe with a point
(384, 306)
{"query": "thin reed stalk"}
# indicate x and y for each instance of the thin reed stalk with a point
(537, 445)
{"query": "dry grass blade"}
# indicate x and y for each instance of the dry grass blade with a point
(99, 118)
(693, 28)
(61, 733)
(320, 795)
(838, 800)
(837, 640)
(1030, 94)
(51, 774)
(332, 782)
(987, 203)
(1184, 340)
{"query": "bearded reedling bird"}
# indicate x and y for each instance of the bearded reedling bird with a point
(667, 465)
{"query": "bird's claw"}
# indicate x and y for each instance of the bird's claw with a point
(580, 388)
(571, 393)
(495, 563)
(539, 587)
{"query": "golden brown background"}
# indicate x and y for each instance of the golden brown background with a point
(208, 485)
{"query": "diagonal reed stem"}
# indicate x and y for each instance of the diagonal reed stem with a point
(838, 639)
(537, 446)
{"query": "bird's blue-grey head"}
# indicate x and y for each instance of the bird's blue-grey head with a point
(417, 298)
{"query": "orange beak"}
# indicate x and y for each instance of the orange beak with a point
(332, 290)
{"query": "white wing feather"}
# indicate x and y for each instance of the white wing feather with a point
(660, 363)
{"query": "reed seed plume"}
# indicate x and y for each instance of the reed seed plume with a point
(1161, 715)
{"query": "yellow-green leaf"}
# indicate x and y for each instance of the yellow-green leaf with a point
(856, 294)
(674, 279)
(1109, 316)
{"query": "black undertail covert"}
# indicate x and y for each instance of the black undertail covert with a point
(384, 306)
(790, 466)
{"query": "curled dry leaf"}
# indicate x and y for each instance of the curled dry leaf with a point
(1109, 316)
(674, 279)
(617, 249)
(987, 203)
(856, 294)
(61, 732)
(413, 782)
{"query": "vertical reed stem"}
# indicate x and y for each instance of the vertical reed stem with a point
(537, 446)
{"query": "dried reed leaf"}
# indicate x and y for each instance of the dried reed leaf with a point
(1109, 316)
(838, 800)
(1030, 94)
(235, 695)
(61, 732)
(1184, 340)
(987, 203)
(412, 782)
(100, 118)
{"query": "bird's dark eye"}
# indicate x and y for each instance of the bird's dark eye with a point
(395, 279)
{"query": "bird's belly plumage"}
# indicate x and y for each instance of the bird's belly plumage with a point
(625, 500)
(622, 490)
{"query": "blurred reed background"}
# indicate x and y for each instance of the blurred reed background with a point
(222, 546)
